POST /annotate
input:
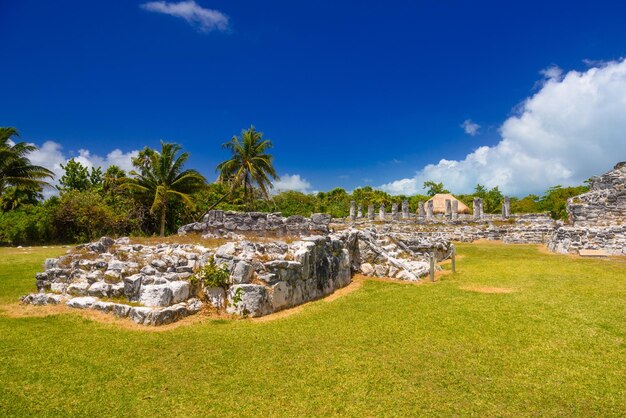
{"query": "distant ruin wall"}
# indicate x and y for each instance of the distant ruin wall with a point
(219, 223)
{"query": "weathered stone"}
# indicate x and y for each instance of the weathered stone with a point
(155, 295)
(58, 287)
(216, 296)
(180, 291)
(430, 209)
(248, 300)
(370, 212)
(478, 208)
(99, 289)
(78, 289)
(132, 285)
(241, 272)
(405, 209)
(139, 315)
(103, 306)
(83, 302)
(367, 269)
(380, 270)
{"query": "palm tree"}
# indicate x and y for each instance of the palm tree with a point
(15, 167)
(161, 177)
(250, 165)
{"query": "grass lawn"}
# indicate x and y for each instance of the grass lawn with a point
(515, 332)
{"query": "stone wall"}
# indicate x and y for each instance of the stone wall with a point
(222, 223)
(597, 218)
(264, 276)
(515, 229)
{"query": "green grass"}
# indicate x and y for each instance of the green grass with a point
(553, 347)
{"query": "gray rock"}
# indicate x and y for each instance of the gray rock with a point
(195, 305)
(216, 296)
(132, 286)
(155, 295)
(117, 290)
(367, 269)
(241, 273)
(120, 310)
(103, 306)
(78, 289)
(58, 287)
(50, 263)
(99, 289)
(248, 300)
(139, 315)
(83, 302)
(180, 291)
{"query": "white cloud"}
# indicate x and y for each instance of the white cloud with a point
(51, 156)
(573, 128)
(552, 72)
(205, 20)
(292, 182)
(470, 127)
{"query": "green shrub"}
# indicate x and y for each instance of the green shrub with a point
(212, 275)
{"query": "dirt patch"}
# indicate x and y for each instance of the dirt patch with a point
(488, 289)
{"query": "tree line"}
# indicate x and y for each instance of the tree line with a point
(159, 194)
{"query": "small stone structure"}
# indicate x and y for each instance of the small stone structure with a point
(405, 209)
(597, 218)
(381, 212)
(370, 212)
(264, 277)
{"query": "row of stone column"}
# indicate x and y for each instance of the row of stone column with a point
(357, 211)
(425, 211)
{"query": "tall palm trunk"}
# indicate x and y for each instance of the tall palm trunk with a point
(163, 221)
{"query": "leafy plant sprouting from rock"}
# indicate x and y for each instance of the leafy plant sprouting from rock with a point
(212, 275)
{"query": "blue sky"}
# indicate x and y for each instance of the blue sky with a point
(351, 93)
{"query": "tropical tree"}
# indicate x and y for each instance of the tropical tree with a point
(15, 168)
(433, 188)
(161, 179)
(250, 165)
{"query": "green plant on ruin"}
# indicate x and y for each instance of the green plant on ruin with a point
(212, 275)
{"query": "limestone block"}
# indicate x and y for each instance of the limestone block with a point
(155, 295)
(83, 302)
(99, 289)
(180, 291)
(248, 299)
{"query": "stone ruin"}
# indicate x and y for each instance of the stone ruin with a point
(154, 284)
(454, 226)
(597, 218)
(219, 223)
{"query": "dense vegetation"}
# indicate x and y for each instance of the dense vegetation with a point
(160, 195)
(553, 346)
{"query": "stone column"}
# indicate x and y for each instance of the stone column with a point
(455, 209)
(370, 212)
(352, 210)
(405, 209)
(429, 210)
(478, 208)
(359, 211)
(394, 211)
(381, 212)
(448, 209)
(421, 213)
(506, 207)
